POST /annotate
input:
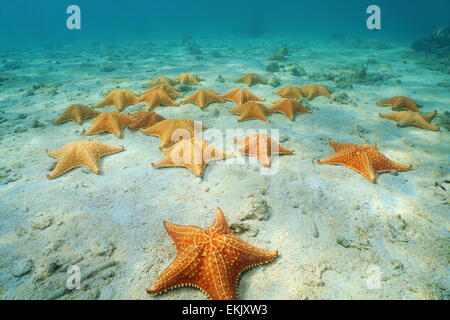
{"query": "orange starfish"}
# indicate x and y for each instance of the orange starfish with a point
(120, 98)
(161, 80)
(157, 97)
(111, 122)
(144, 119)
(289, 107)
(188, 79)
(262, 147)
(250, 79)
(82, 153)
(192, 153)
(313, 90)
(400, 103)
(251, 110)
(210, 259)
(173, 130)
(241, 96)
(77, 113)
(204, 97)
(167, 88)
(289, 92)
(411, 118)
(364, 159)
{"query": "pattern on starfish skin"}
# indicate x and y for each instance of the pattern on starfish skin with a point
(173, 130)
(251, 110)
(262, 147)
(250, 79)
(112, 122)
(364, 159)
(241, 96)
(157, 97)
(411, 118)
(400, 103)
(192, 153)
(289, 92)
(204, 97)
(120, 98)
(144, 119)
(289, 107)
(188, 79)
(82, 153)
(210, 259)
(167, 88)
(77, 113)
(161, 80)
(310, 91)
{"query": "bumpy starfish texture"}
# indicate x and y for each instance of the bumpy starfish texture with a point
(411, 118)
(120, 98)
(204, 97)
(193, 154)
(262, 147)
(290, 92)
(77, 113)
(188, 79)
(157, 97)
(210, 259)
(310, 91)
(251, 110)
(241, 96)
(112, 122)
(400, 103)
(173, 130)
(144, 119)
(364, 159)
(161, 80)
(289, 107)
(82, 153)
(167, 88)
(250, 79)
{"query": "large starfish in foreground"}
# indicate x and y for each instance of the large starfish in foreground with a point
(194, 154)
(112, 122)
(400, 103)
(203, 97)
(364, 159)
(411, 118)
(251, 110)
(77, 113)
(289, 107)
(82, 153)
(241, 96)
(210, 259)
(250, 79)
(120, 98)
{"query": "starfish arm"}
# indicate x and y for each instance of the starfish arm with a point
(340, 146)
(422, 123)
(384, 103)
(219, 224)
(382, 163)
(222, 284)
(430, 116)
(392, 116)
(196, 168)
(165, 162)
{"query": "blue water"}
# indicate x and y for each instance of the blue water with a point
(24, 22)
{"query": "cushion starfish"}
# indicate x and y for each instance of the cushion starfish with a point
(188, 79)
(204, 97)
(82, 153)
(77, 113)
(262, 147)
(289, 107)
(173, 130)
(194, 154)
(290, 92)
(364, 159)
(111, 122)
(400, 103)
(411, 118)
(144, 119)
(251, 110)
(241, 96)
(167, 88)
(121, 98)
(210, 259)
(157, 97)
(250, 79)
(310, 91)
(161, 80)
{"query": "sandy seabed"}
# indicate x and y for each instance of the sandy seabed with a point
(334, 230)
